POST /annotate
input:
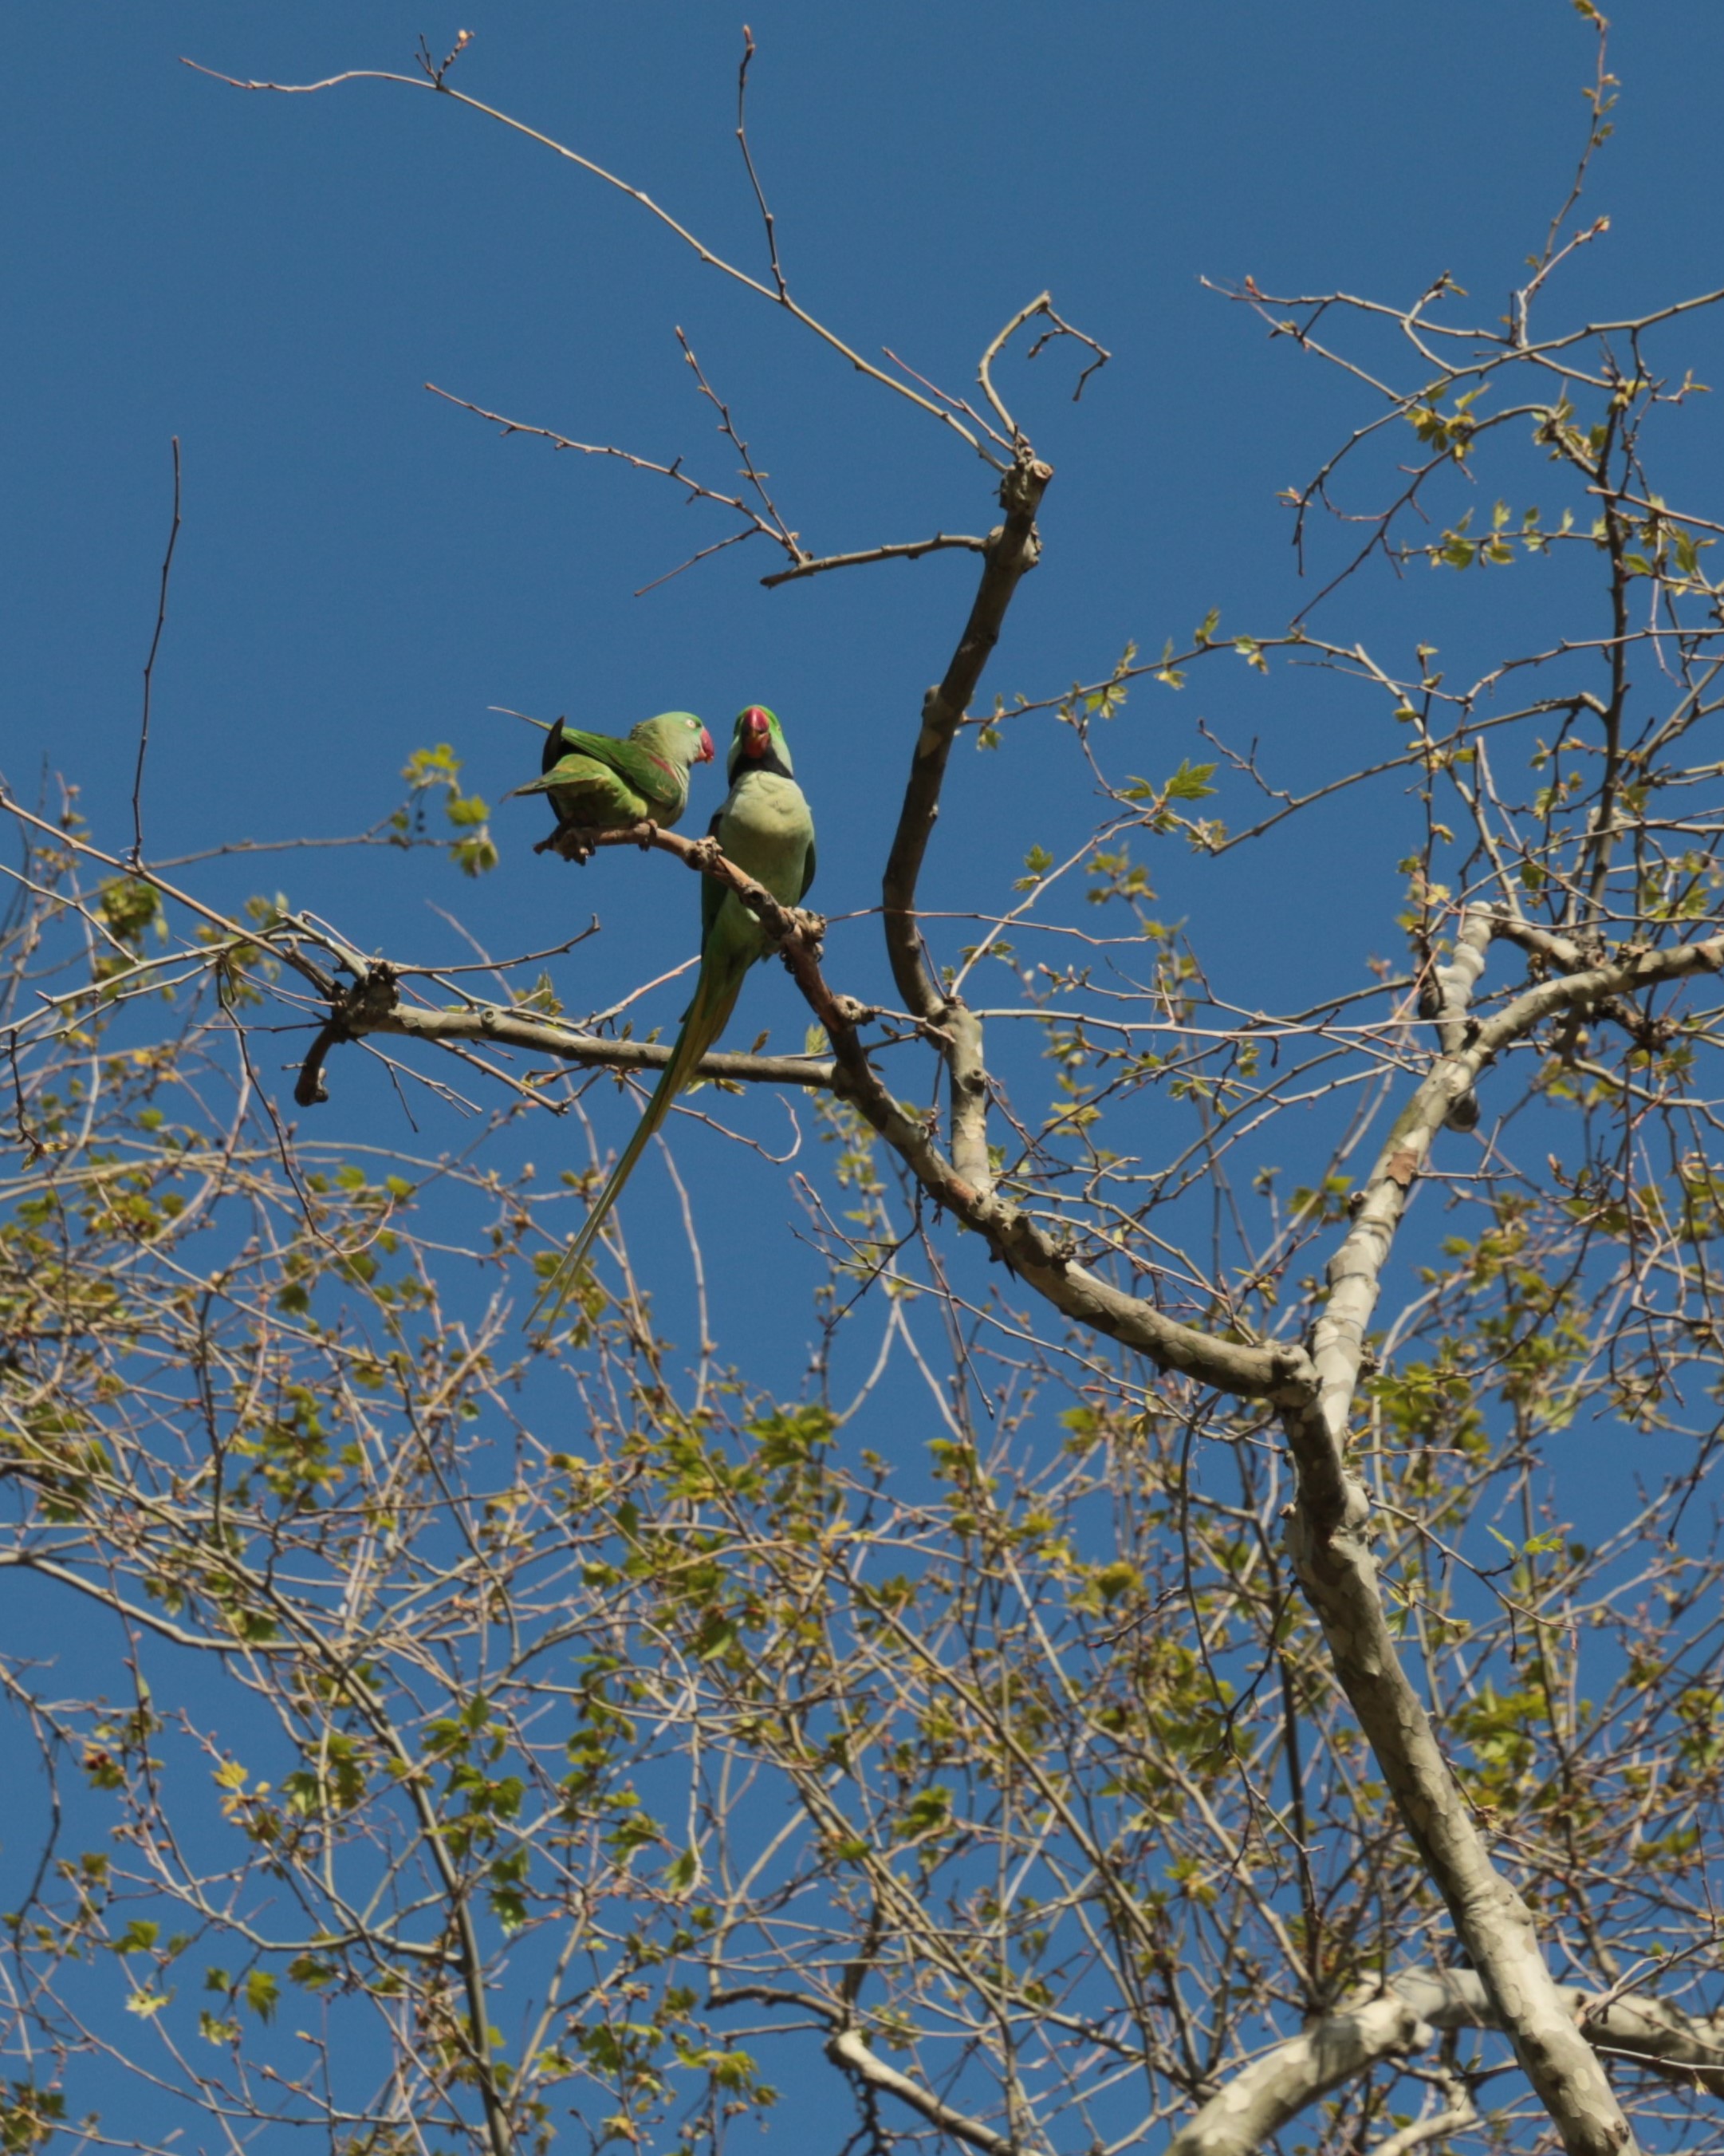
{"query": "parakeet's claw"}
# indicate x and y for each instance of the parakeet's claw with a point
(571, 841)
(645, 832)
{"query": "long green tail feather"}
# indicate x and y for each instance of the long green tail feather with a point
(708, 1015)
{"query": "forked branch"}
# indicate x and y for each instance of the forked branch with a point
(1406, 2016)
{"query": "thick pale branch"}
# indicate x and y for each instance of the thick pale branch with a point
(966, 1074)
(1626, 976)
(1542, 943)
(1434, 2126)
(1407, 2017)
(849, 2049)
(1355, 1271)
(1327, 1540)
(1454, 983)
(1326, 1535)
(542, 1037)
(1258, 2102)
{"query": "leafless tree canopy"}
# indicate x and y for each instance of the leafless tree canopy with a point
(1221, 1735)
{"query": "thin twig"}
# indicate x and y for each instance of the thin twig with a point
(673, 470)
(726, 427)
(702, 252)
(774, 530)
(1042, 304)
(748, 160)
(911, 550)
(137, 783)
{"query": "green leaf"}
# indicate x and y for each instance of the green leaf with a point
(1190, 782)
(927, 1813)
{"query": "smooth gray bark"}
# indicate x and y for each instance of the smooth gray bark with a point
(1406, 2016)
(1327, 1540)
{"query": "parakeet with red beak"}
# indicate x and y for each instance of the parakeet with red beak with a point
(602, 783)
(766, 828)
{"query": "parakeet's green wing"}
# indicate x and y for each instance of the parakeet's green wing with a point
(632, 764)
(592, 789)
(712, 891)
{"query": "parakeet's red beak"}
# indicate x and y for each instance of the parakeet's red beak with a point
(707, 750)
(756, 731)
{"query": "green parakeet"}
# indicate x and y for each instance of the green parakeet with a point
(765, 828)
(605, 783)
